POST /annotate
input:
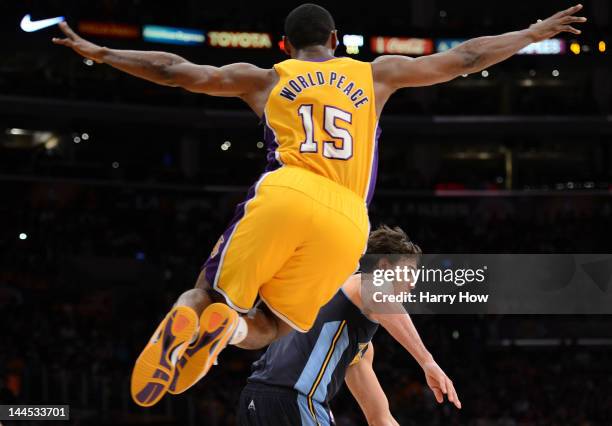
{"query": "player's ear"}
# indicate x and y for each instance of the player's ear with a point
(384, 263)
(287, 45)
(334, 40)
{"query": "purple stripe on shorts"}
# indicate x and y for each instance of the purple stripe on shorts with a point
(374, 171)
(213, 262)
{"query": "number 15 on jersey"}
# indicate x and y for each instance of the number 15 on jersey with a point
(341, 145)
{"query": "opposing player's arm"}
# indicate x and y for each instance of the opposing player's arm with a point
(400, 326)
(365, 387)
(168, 69)
(474, 55)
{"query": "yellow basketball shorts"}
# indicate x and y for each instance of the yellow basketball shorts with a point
(293, 243)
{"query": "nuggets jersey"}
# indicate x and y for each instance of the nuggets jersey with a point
(321, 116)
(314, 364)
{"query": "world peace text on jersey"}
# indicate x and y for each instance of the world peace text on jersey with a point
(309, 80)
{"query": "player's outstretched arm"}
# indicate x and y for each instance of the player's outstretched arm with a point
(400, 326)
(365, 387)
(395, 72)
(168, 69)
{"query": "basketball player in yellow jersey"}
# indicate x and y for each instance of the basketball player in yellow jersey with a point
(304, 225)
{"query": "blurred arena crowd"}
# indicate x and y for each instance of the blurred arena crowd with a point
(89, 269)
(115, 190)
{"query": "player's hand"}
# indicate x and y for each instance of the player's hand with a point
(78, 44)
(440, 384)
(560, 22)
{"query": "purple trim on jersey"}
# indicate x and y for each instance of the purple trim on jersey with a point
(374, 171)
(318, 59)
(271, 146)
(213, 262)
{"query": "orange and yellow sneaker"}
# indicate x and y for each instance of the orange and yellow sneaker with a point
(156, 366)
(218, 323)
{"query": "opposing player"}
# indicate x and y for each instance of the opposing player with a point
(294, 381)
(304, 226)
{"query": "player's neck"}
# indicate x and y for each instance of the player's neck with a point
(352, 290)
(314, 53)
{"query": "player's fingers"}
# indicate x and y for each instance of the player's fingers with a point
(570, 29)
(443, 385)
(449, 388)
(438, 395)
(455, 399)
(574, 19)
(572, 10)
(62, 41)
(567, 12)
(67, 30)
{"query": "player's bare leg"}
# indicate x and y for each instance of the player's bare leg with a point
(263, 328)
(197, 299)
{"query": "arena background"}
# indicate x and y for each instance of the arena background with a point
(114, 190)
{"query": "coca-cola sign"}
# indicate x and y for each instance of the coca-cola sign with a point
(402, 45)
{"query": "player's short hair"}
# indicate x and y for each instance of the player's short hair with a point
(390, 241)
(387, 240)
(308, 25)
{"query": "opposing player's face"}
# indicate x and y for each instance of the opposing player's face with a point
(406, 264)
(409, 264)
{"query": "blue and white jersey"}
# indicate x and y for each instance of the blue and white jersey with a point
(314, 364)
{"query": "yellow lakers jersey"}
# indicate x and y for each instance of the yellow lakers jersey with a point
(321, 116)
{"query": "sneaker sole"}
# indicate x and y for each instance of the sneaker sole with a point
(156, 366)
(217, 325)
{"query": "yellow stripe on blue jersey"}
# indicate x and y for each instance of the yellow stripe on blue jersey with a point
(331, 350)
(323, 116)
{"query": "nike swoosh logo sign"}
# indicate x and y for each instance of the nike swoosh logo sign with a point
(30, 26)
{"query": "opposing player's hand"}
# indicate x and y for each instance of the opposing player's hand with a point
(561, 22)
(78, 44)
(440, 384)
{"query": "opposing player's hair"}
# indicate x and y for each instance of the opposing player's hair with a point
(309, 25)
(387, 240)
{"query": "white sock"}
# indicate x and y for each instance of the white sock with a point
(195, 336)
(241, 332)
